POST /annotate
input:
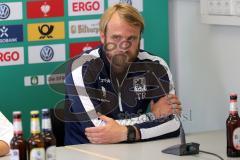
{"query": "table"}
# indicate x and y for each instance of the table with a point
(212, 141)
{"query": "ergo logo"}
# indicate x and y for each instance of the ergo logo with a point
(85, 6)
(9, 56)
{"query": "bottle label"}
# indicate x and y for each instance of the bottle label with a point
(51, 153)
(37, 154)
(236, 138)
(35, 126)
(46, 124)
(14, 154)
(17, 125)
(233, 107)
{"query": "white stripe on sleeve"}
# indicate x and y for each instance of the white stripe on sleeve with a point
(168, 127)
(78, 82)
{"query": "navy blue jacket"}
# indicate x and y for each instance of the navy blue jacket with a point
(92, 87)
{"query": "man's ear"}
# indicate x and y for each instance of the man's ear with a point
(102, 37)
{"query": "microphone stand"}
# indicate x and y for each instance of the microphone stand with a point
(183, 148)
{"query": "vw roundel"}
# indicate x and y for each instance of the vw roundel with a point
(11, 11)
(4, 11)
(46, 53)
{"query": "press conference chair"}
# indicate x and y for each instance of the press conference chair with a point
(58, 125)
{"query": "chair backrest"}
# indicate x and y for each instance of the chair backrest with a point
(57, 115)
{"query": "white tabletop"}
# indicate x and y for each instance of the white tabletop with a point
(209, 141)
(214, 141)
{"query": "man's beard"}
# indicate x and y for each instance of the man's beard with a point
(120, 62)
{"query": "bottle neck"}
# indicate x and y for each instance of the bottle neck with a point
(17, 127)
(233, 107)
(35, 126)
(46, 124)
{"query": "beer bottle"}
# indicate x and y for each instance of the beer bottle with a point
(48, 136)
(18, 144)
(35, 142)
(233, 129)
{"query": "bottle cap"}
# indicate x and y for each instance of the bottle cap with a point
(34, 112)
(16, 112)
(233, 96)
(45, 110)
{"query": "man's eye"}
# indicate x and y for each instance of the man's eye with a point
(116, 38)
(132, 38)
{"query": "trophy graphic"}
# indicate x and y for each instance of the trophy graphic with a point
(45, 8)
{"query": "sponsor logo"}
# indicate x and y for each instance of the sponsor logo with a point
(78, 48)
(126, 1)
(11, 56)
(34, 80)
(45, 8)
(46, 31)
(56, 78)
(11, 11)
(139, 84)
(46, 54)
(84, 28)
(138, 4)
(4, 11)
(11, 33)
(83, 7)
(4, 32)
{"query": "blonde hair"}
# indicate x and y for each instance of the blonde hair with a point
(126, 12)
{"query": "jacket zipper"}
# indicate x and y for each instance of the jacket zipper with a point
(119, 97)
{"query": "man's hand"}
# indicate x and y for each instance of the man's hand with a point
(4, 148)
(112, 132)
(166, 105)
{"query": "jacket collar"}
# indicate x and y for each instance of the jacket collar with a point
(103, 56)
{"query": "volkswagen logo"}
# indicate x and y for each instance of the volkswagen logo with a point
(47, 53)
(4, 11)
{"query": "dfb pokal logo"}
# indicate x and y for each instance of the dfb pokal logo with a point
(34, 80)
(45, 30)
(4, 11)
(47, 53)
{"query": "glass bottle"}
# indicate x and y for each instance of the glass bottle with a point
(36, 149)
(18, 143)
(48, 136)
(233, 129)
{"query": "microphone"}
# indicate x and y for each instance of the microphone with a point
(183, 148)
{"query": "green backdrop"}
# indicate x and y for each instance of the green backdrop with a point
(15, 96)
